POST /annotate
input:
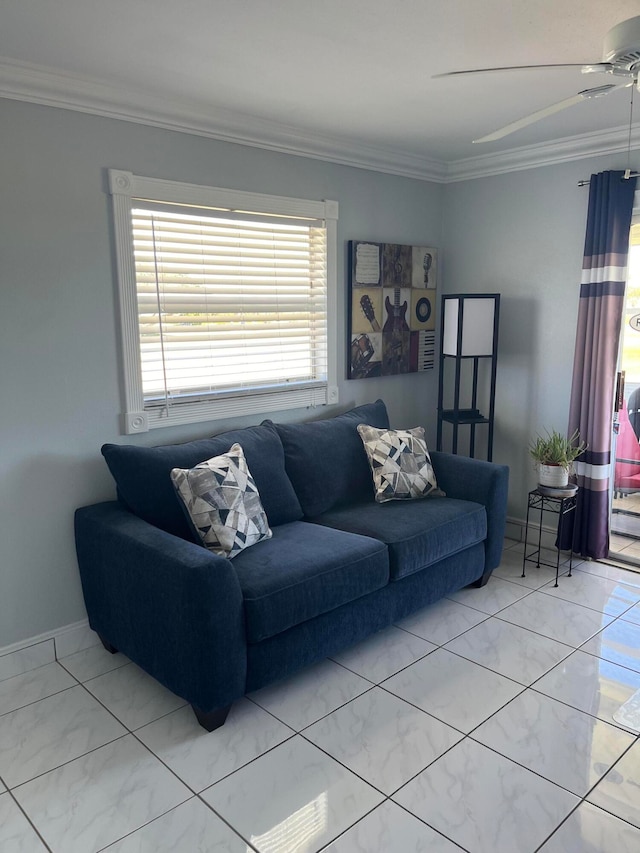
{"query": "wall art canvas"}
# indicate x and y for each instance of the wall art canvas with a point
(392, 302)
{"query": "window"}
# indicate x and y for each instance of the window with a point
(227, 301)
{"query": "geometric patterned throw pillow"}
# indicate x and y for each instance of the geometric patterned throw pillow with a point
(400, 463)
(222, 502)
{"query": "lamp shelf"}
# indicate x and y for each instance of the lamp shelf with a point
(463, 357)
(463, 416)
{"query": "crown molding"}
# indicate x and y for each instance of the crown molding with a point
(569, 148)
(41, 85)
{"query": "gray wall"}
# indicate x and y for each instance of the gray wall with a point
(59, 379)
(522, 234)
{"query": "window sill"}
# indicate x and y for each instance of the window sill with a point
(228, 407)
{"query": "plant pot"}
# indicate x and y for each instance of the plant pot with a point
(553, 476)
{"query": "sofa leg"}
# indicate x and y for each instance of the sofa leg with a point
(211, 720)
(107, 645)
(482, 580)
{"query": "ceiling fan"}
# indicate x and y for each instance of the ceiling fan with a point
(620, 58)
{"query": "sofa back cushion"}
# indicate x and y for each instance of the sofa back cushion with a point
(142, 475)
(326, 461)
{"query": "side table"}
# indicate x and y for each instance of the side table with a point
(561, 506)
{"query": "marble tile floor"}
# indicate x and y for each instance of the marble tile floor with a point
(485, 723)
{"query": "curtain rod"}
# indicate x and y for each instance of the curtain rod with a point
(627, 174)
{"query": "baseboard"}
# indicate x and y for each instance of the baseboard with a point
(515, 529)
(34, 652)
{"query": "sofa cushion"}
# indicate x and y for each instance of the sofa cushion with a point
(325, 460)
(417, 533)
(142, 475)
(303, 571)
(222, 503)
(400, 463)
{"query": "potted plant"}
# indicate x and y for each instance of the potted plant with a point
(555, 454)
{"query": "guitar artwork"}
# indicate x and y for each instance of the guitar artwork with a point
(391, 309)
(369, 313)
(395, 336)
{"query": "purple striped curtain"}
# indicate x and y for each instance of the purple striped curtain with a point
(604, 272)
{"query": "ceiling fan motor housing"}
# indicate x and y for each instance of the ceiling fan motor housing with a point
(622, 45)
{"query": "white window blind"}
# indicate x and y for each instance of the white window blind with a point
(230, 304)
(227, 305)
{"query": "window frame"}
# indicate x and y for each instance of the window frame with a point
(125, 188)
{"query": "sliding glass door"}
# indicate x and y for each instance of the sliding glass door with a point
(625, 499)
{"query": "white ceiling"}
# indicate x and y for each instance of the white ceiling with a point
(348, 77)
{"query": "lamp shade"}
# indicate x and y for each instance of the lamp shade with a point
(469, 324)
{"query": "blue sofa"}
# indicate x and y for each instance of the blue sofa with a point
(338, 567)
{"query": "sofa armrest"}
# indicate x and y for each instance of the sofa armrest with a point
(483, 482)
(171, 606)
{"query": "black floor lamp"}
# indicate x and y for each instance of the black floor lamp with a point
(468, 347)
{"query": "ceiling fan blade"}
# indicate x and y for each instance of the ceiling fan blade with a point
(587, 94)
(594, 67)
